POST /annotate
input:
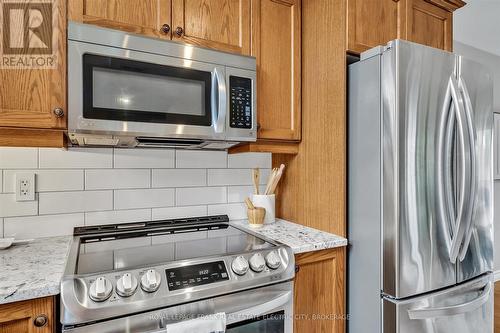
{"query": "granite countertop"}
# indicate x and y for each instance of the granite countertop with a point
(300, 238)
(33, 270)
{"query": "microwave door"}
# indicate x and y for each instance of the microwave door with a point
(123, 92)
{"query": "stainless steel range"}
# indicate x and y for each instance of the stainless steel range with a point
(170, 274)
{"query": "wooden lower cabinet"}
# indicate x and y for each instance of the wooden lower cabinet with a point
(28, 316)
(496, 316)
(319, 296)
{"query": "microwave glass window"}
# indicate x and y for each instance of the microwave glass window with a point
(130, 90)
(123, 90)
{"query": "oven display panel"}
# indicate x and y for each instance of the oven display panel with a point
(195, 275)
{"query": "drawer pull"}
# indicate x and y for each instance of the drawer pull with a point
(40, 320)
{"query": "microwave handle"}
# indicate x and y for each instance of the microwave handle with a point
(220, 100)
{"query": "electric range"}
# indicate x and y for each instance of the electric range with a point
(157, 273)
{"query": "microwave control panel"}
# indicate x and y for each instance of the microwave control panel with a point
(240, 89)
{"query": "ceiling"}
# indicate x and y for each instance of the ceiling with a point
(478, 25)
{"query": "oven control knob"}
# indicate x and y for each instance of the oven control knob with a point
(126, 285)
(257, 262)
(239, 265)
(150, 281)
(100, 289)
(273, 260)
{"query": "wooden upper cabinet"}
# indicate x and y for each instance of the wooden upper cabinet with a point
(33, 316)
(372, 22)
(276, 43)
(219, 24)
(429, 25)
(376, 22)
(28, 96)
(146, 17)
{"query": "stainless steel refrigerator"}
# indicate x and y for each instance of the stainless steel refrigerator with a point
(420, 192)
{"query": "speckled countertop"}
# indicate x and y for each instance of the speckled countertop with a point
(33, 270)
(300, 238)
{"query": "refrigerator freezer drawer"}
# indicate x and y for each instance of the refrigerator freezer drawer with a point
(466, 308)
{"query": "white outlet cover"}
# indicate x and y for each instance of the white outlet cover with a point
(25, 186)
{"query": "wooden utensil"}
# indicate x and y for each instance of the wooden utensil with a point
(270, 180)
(249, 203)
(256, 180)
(277, 178)
(256, 216)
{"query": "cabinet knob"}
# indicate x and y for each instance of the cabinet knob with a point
(297, 268)
(40, 320)
(165, 28)
(179, 31)
(58, 112)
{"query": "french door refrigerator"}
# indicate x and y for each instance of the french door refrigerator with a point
(420, 192)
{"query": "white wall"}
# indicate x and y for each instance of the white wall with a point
(477, 24)
(98, 186)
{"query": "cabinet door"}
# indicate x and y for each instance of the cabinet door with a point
(319, 297)
(429, 25)
(33, 316)
(372, 22)
(29, 97)
(219, 24)
(276, 43)
(146, 17)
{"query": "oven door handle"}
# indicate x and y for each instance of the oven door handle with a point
(219, 100)
(251, 312)
(259, 310)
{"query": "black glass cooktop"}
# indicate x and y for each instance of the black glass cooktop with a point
(127, 246)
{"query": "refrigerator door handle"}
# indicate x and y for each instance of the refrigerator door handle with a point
(445, 199)
(460, 115)
(473, 186)
(429, 313)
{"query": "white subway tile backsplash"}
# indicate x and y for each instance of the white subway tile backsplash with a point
(239, 193)
(76, 158)
(117, 216)
(18, 158)
(200, 159)
(250, 160)
(75, 202)
(234, 176)
(10, 207)
(179, 212)
(200, 196)
(179, 177)
(105, 185)
(148, 198)
(144, 158)
(42, 226)
(47, 180)
(117, 178)
(235, 211)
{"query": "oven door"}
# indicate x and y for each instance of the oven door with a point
(121, 91)
(264, 310)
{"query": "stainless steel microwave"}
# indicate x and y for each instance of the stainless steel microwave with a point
(126, 90)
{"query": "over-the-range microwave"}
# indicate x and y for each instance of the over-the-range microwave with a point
(126, 90)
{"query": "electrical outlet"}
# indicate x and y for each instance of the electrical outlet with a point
(25, 186)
